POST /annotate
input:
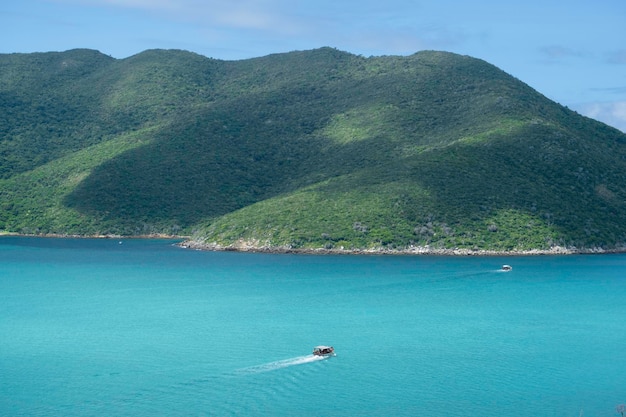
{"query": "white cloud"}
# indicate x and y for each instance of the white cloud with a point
(238, 14)
(611, 113)
(151, 5)
(372, 29)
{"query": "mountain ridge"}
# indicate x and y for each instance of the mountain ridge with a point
(315, 149)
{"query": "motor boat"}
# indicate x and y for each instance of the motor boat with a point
(324, 351)
(507, 267)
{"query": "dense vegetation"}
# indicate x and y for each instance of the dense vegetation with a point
(314, 149)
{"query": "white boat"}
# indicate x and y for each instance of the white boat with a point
(507, 267)
(324, 351)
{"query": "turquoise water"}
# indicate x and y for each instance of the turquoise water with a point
(143, 328)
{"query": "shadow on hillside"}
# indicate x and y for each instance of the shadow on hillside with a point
(260, 146)
(261, 134)
(216, 161)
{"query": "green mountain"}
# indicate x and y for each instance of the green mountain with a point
(313, 149)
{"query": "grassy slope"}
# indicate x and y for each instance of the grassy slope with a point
(319, 149)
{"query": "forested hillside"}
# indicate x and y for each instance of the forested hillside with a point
(312, 149)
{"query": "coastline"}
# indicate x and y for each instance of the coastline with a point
(243, 246)
(186, 242)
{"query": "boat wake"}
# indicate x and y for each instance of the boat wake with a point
(285, 363)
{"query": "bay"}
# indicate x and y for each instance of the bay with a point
(133, 327)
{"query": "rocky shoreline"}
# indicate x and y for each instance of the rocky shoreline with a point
(257, 247)
(243, 246)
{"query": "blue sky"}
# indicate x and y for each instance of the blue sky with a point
(573, 52)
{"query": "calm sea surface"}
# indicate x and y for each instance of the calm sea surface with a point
(144, 328)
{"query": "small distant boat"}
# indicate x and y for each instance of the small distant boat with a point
(324, 351)
(507, 267)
